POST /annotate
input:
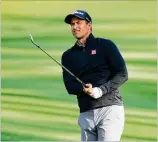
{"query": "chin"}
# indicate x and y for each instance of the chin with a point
(77, 36)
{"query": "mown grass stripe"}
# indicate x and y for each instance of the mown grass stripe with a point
(40, 106)
(50, 111)
(59, 20)
(142, 68)
(13, 136)
(136, 138)
(42, 100)
(138, 118)
(29, 51)
(137, 55)
(38, 132)
(140, 123)
(38, 118)
(143, 76)
(53, 127)
(141, 112)
(141, 62)
(145, 131)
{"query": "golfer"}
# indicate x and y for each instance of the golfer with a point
(99, 64)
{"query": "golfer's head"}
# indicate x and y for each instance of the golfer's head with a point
(80, 22)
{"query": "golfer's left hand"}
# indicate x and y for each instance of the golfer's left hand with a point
(89, 89)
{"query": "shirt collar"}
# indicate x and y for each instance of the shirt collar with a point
(89, 39)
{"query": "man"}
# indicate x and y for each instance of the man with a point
(99, 64)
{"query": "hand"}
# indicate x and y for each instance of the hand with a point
(88, 90)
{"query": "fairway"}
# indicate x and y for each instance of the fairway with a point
(35, 104)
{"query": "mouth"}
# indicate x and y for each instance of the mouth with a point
(76, 32)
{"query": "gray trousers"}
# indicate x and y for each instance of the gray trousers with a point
(102, 124)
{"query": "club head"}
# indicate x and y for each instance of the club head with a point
(31, 37)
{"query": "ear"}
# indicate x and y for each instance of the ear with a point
(89, 24)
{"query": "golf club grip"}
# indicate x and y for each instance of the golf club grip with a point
(83, 84)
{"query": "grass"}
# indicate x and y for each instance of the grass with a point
(35, 104)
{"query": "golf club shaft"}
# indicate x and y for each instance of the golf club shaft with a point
(60, 65)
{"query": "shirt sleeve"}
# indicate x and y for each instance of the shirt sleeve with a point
(71, 84)
(117, 66)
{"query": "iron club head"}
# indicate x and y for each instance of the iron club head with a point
(31, 37)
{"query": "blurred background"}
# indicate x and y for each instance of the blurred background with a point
(35, 104)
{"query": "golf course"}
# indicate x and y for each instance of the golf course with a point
(34, 102)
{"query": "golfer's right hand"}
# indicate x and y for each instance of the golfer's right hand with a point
(88, 89)
(93, 92)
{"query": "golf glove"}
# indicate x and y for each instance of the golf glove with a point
(97, 93)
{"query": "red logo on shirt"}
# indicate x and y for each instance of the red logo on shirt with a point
(93, 52)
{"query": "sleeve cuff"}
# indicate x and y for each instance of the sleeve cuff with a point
(104, 89)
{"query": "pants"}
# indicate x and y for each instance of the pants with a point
(102, 124)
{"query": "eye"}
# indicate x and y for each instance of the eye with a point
(72, 24)
(78, 22)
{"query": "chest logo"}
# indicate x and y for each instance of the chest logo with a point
(93, 52)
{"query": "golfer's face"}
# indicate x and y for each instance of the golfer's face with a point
(80, 28)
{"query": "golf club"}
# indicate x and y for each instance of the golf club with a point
(31, 37)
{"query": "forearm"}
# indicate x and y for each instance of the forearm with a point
(117, 80)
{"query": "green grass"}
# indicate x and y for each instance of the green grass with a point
(35, 104)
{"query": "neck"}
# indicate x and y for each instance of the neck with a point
(83, 40)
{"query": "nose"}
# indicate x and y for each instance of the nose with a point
(75, 26)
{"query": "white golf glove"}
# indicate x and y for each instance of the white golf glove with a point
(97, 92)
